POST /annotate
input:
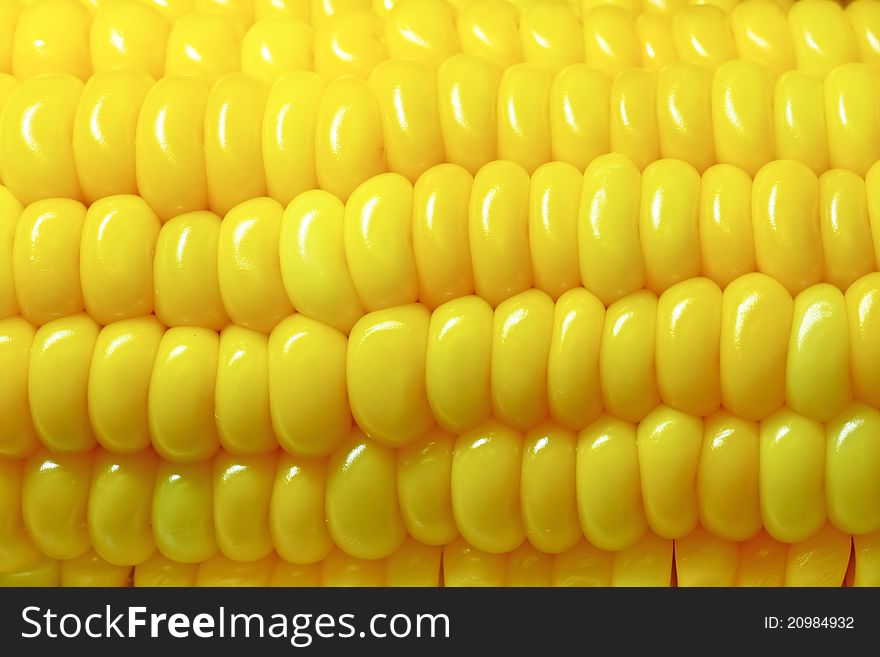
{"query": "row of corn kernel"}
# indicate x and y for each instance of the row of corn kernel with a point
(494, 486)
(71, 384)
(814, 36)
(750, 348)
(824, 559)
(411, 565)
(184, 147)
(611, 230)
(700, 560)
(61, 36)
(707, 556)
(316, 12)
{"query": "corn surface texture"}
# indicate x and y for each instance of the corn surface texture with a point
(429, 293)
(185, 146)
(208, 38)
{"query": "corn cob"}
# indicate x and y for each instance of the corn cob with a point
(511, 499)
(218, 38)
(518, 408)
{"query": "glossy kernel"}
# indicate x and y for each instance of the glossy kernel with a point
(128, 35)
(608, 229)
(296, 510)
(183, 512)
(459, 363)
(314, 269)
(688, 346)
(170, 143)
(627, 357)
(58, 382)
(668, 223)
(520, 350)
(863, 320)
(486, 466)
(241, 394)
(386, 374)
(727, 478)
(18, 438)
(36, 138)
(756, 320)
(116, 258)
(851, 466)
(573, 380)
(424, 480)
(498, 230)
(440, 244)
(119, 383)
(52, 36)
(609, 494)
(817, 370)
(119, 511)
(307, 389)
(46, 260)
(185, 272)
(378, 242)
(233, 154)
(669, 444)
(242, 492)
(249, 265)
(181, 398)
(54, 499)
(105, 129)
(361, 501)
(792, 457)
